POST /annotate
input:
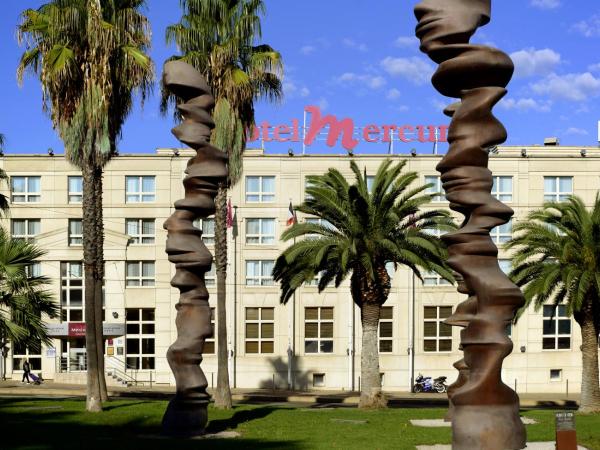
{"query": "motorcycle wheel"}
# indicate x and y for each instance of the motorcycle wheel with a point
(441, 389)
(418, 388)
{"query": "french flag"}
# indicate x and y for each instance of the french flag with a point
(292, 219)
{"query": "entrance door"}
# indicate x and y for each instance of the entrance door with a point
(74, 355)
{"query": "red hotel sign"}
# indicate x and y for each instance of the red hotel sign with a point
(371, 133)
(76, 329)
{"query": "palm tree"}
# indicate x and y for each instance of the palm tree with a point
(218, 38)
(366, 230)
(557, 261)
(90, 56)
(23, 299)
(2, 142)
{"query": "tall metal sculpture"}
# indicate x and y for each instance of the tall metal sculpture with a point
(485, 412)
(187, 414)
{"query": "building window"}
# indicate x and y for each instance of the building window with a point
(208, 229)
(34, 270)
(370, 181)
(26, 229)
(139, 343)
(140, 273)
(75, 189)
(557, 328)
(210, 277)
(437, 335)
(260, 189)
(555, 374)
(557, 189)
(75, 232)
(502, 233)
(209, 343)
(260, 330)
(258, 272)
(260, 231)
(433, 279)
(140, 189)
(71, 299)
(386, 329)
(25, 189)
(318, 330)
(436, 188)
(31, 353)
(141, 231)
(318, 379)
(502, 188)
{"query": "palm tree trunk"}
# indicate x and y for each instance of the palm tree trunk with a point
(93, 397)
(590, 383)
(371, 396)
(223, 392)
(98, 291)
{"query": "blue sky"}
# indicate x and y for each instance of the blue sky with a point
(359, 59)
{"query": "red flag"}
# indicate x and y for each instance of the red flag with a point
(292, 219)
(229, 214)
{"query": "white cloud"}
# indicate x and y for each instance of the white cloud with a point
(573, 131)
(393, 94)
(307, 50)
(292, 90)
(439, 104)
(414, 69)
(361, 47)
(594, 67)
(371, 81)
(524, 104)
(407, 42)
(323, 103)
(573, 86)
(590, 27)
(530, 62)
(545, 4)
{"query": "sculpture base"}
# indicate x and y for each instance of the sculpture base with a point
(186, 418)
(487, 427)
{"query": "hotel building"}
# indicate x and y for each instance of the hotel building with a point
(318, 333)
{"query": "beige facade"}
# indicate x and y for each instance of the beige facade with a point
(139, 191)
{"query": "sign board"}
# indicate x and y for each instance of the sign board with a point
(50, 352)
(566, 437)
(565, 421)
(77, 329)
(343, 130)
(113, 329)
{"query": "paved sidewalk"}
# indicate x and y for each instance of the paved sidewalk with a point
(341, 398)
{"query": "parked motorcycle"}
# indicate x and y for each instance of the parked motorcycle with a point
(426, 384)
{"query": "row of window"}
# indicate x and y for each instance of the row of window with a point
(258, 273)
(28, 189)
(555, 188)
(259, 329)
(261, 189)
(259, 231)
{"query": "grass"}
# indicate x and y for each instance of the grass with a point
(135, 424)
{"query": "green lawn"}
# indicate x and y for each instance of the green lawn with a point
(135, 424)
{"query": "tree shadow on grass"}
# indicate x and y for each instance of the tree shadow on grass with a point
(26, 428)
(239, 417)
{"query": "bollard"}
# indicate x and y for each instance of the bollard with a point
(567, 388)
(566, 437)
(515, 385)
(273, 385)
(212, 384)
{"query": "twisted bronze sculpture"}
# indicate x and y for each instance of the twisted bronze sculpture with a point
(485, 412)
(186, 414)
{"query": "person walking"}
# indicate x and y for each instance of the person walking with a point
(26, 371)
